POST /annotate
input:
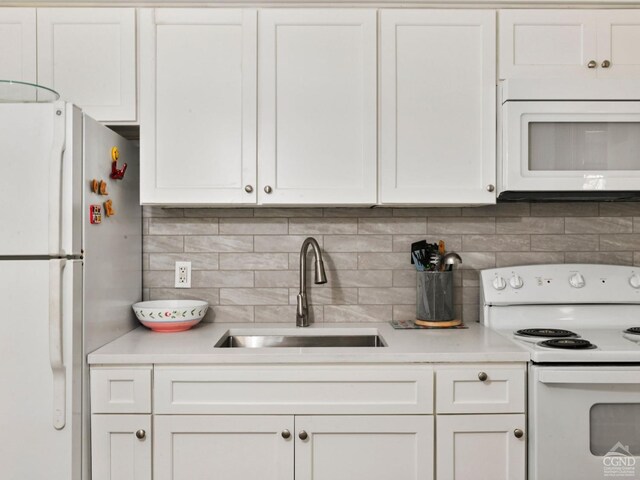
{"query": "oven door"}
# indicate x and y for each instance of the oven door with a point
(584, 422)
(570, 146)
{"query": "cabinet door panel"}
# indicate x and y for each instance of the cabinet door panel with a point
(480, 447)
(18, 45)
(88, 55)
(364, 447)
(116, 451)
(317, 104)
(227, 447)
(437, 106)
(198, 106)
(618, 41)
(547, 43)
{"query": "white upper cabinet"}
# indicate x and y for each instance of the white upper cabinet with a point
(317, 106)
(437, 106)
(569, 44)
(18, 44)
(88, 55)
(619, 44)
(198, 106)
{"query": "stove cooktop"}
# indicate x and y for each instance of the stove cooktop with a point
(568, 344)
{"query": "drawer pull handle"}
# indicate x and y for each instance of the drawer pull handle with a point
(248, 188)
(592, 64)
(141, 434)
(286, 434)
(518, 433)
(303, 435)
(606, 64)
(483, 377)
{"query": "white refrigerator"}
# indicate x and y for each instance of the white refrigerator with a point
(66, 284)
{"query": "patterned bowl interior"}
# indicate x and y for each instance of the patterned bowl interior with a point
(170, 310)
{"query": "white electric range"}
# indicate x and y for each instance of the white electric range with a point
(581, 325)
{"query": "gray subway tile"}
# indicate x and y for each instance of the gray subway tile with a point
(326, 296)
(150, 211)
(183, 226)
(620, 242)
(498, 210)
(563, 243)
(358, 243)
(285, 314)
(384, 261)
(218, 278)
(598, 225)
(167, 261)
(620, 209)
(458, 225)
(564, 209)
(508, 259)
(427, 212)
(387, 296)
(332, 261)
(520, 225)
(287, 212)
(254, 226)
(280, 243)
(254, 296)
(392, 225)
(357, 313)
(495, 243)
(162, 243)
(211, 295)
(232, 314)
(254, 261)
(607, 258)
(322, 226)
(218, 243)
(218, 212)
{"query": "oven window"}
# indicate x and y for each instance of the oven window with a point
(613, 423)
(584, 146)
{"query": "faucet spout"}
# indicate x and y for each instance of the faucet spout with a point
(302, 310)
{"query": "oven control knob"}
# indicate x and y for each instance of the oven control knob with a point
(576, 280)
(516, 281)
(499, 283)
(634, 280)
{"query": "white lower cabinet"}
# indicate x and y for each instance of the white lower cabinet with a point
(480, 447)
(121, 447)
(229, 447)
(322, 422)
(281, 447)
(364, 447)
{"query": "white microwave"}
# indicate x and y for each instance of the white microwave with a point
(572, 140)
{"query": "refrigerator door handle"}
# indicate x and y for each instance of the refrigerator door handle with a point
(55, 181)
(56, 268)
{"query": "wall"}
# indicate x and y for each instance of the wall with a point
(245, 261)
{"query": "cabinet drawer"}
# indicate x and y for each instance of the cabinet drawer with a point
(121, 390)
(480, 389)
(302, 389)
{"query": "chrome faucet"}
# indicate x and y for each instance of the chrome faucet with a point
(302, 311)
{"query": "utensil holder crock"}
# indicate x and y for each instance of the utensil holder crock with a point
(434, 296)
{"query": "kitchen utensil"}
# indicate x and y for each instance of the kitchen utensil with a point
(450, 259)
(170, 315)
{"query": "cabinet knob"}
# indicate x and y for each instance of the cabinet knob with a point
(141, 434)
(248, 189)
(518, 433)
(303, 435)
(605, 64)
(490, 188)
(285, 434)
(482, 376)
(268, 189)
(592, 64)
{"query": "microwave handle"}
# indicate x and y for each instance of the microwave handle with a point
(590, 376)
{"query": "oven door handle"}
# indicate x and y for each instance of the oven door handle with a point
(590, 376)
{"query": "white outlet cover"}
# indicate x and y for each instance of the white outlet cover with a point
(183, 275)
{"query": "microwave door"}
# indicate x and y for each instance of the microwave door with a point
(570, 146)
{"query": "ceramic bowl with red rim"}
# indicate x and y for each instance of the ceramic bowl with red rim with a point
(170, 315)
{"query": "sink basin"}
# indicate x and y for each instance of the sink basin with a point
(231, 340)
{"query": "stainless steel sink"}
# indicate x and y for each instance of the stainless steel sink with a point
(283, 341)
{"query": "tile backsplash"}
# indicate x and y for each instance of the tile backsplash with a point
(245, 261)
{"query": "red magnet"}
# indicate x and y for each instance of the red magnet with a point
(117, 173)
(95, 214)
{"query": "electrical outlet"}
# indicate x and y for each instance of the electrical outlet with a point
(183, 275)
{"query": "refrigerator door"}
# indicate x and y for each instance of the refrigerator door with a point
(40, 195)
(41, 345)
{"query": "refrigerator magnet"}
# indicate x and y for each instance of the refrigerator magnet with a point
(108, 208)
(95, 214)
(116, 173)
(103, 188)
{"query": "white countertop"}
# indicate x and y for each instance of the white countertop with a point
(473, 344)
